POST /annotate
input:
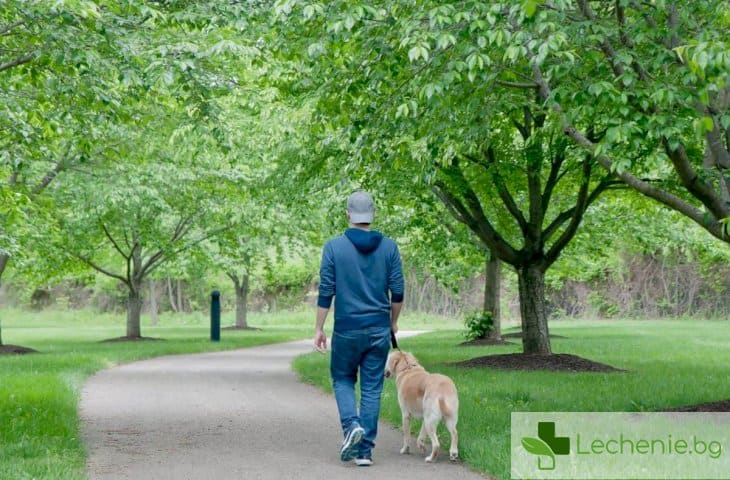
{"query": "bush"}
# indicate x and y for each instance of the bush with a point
(478, 325)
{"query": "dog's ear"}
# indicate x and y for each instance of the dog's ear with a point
(391, 364)
(401, 362)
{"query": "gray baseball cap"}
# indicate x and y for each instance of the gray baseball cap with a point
(361, 207)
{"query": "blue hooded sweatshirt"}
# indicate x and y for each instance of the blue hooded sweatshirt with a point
(362, 271)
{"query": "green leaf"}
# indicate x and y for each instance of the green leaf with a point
(537, 447)
(530, 7)
(708, 124)
(725, 222)
(702, 60)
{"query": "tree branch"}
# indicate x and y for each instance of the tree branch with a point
(672, 201)
(478, 223)
(525, 85)
(455, 208)
(100, 269)
(673, 25)
(147, 266)
(150, 266)
(554, 175)
(49, 176)
(234, 278)
(504, 193)
(522, 128)
(699, 189)
(580, 207)
(6, 29)
(16, 62)
(114, 242)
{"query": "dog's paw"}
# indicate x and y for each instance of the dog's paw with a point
(421, 445)
(405, 450)
(434, 454)
(454, 457)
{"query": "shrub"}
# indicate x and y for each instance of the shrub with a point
(478, 325)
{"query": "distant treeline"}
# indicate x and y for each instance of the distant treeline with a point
(637, 286)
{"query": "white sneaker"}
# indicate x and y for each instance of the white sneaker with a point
(352, 439)
(363, 461)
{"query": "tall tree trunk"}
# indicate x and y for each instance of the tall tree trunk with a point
(242, 302)
(171, 295)
(134, 312)
(153, 303)
(535, 335)
(491, 294)
(3, 263)
(180, 303)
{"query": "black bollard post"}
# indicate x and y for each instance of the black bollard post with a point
(215, 316)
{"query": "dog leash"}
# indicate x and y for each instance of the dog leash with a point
(393, 341)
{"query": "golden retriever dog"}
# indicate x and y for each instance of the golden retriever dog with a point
(430, 396)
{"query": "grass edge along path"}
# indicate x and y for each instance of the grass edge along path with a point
(40, 392)
(668, 364)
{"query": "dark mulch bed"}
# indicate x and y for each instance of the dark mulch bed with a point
(234, 327)
(132, 339)
(721, 406)
(478, 342)
(560, 362)
(519, 335)
(15, 350)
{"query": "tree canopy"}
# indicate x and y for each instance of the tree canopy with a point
(135, 131)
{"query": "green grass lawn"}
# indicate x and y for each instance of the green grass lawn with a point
(668, 363)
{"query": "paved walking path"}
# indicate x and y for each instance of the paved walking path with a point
(239, 414)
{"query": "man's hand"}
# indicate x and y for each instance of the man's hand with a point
(320, 341)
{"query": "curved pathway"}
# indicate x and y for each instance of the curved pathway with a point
(229, 415)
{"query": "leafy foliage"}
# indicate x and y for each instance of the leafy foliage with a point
(478, 325)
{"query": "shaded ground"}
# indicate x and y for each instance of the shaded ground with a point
(478, 342)
(720, 406)
(235, 327)
(519, 335)
(15, 350)
(560, 362)
(132, 339)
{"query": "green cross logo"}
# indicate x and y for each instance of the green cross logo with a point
(546, 444)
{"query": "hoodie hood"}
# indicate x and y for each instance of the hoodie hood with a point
(366, 242)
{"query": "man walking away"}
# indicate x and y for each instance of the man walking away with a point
(362, 271)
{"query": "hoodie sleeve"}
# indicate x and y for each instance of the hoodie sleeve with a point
(326, 278)
(395, 276)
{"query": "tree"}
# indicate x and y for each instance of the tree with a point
(652, 77)
(239, 251)
(56, 81)
(149, 214)
(433, 241)
(85, 77)
(416, 114)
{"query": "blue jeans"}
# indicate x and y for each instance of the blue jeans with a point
(366, 350)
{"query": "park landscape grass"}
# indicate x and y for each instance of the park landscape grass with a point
(668, 363)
